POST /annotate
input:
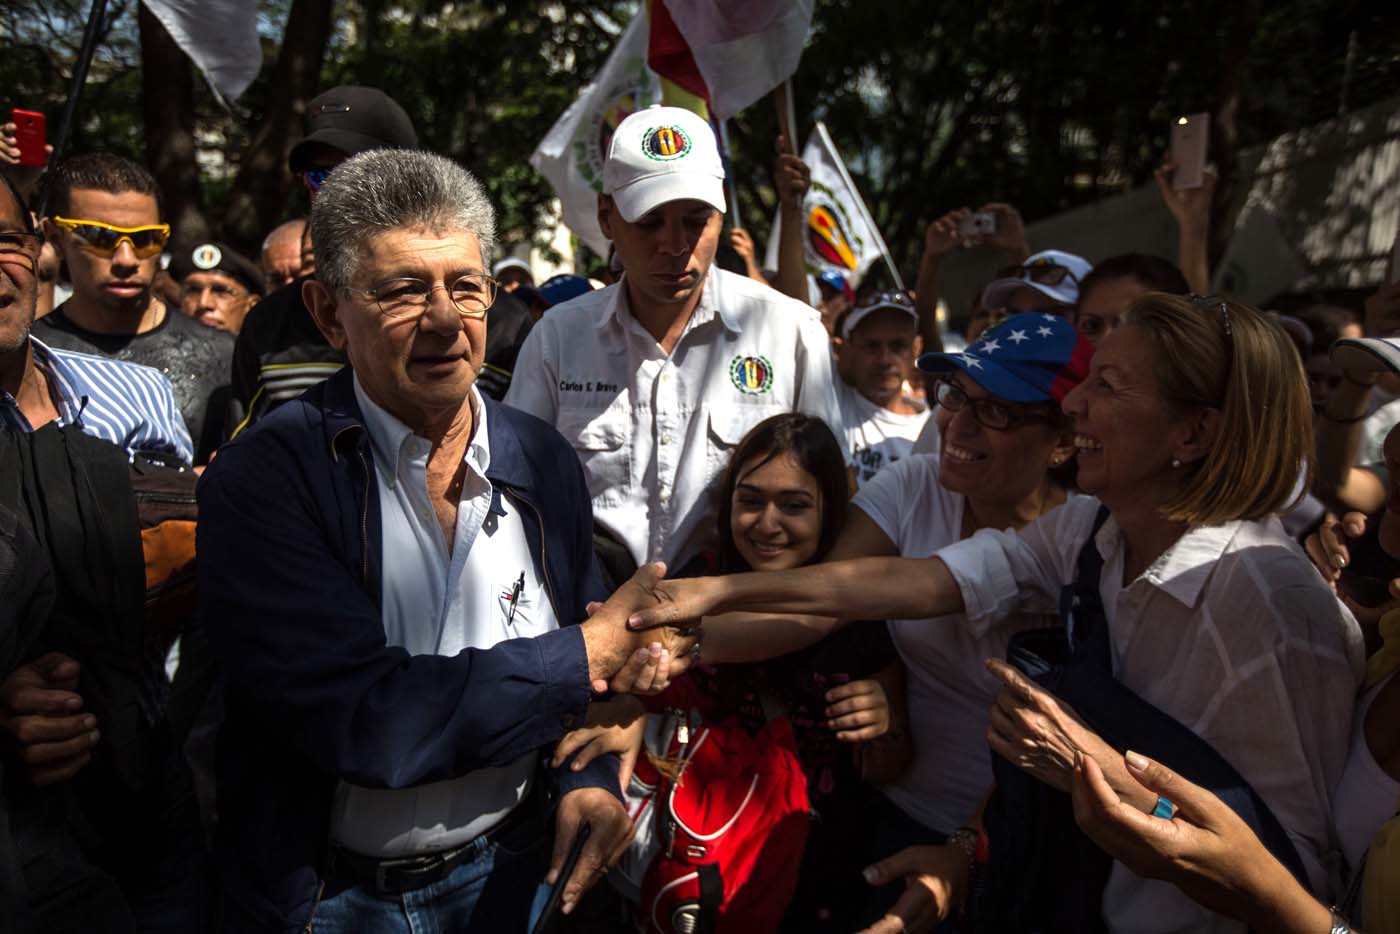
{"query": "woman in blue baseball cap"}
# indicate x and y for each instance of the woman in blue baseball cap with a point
(1195, 632)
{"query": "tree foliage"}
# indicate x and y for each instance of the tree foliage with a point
(1047, 104)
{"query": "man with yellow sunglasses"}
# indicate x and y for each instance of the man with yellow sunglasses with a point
(107, 227)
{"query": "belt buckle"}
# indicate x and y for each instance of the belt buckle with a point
(410, 865)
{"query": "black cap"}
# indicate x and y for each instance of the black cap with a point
(215, 257)
(353, 119)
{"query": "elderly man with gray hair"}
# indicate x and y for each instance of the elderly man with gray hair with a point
(395, 570)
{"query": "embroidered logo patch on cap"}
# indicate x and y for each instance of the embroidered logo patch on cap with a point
(207, 256)
(752, 376)
(664, 143)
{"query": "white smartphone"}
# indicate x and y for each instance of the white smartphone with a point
(1190, 136)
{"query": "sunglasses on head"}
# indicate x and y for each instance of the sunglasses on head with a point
(1043, 272)
(105, 239)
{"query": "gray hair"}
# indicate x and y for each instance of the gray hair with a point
(391, 189)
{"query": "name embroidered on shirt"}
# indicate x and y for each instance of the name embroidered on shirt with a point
(587, 386)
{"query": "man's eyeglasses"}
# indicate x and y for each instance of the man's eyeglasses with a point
(17, 244)
(313, 179)
(987, 411)
(105, 239)
(403, 299)
(1042, 271)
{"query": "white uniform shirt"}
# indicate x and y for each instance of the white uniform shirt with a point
(436, 603)
(654, 432)
(950, 691)
(876, 436)
(1232, 633)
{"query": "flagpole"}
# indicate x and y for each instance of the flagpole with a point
(731, 191)
(80, 70)
(860, 204)
(787, 114)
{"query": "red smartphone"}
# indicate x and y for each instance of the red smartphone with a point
(1189, 136)
(30, 133)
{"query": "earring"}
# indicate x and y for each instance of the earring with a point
(1056, 460)
(1175, 463)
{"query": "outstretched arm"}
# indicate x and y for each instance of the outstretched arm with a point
(863, 588)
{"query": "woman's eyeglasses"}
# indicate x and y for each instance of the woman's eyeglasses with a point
(105, 239)
(987, 411)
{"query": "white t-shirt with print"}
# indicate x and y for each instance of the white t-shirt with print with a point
(876, 436)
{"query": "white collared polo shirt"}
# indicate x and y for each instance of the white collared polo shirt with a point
(655, 431)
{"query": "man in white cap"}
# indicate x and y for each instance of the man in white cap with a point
(876, 347)
(511, 273)
(655, 379)
(1046, 282)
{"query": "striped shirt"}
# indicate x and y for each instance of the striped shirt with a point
(130, 405)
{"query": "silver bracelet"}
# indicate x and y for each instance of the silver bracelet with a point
(1339, 924)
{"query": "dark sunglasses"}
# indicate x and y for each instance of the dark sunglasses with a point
(1042, 272)
(313, 179)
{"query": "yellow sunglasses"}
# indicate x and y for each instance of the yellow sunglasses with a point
(105, 239)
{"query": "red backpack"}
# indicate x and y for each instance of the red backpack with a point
(719, 845)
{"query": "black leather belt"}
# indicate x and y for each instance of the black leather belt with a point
(398, 874)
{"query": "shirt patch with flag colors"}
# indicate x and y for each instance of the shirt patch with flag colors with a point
(751, 375)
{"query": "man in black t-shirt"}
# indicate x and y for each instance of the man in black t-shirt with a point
(106, 225)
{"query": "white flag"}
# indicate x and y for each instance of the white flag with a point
(571, 155)
(219, 36)
(839, 234)
(743, 48)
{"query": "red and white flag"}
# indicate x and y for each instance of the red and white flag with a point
(742, 49)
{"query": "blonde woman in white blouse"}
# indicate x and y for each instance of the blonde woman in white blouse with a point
(1191, 429)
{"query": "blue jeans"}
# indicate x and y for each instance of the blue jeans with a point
(493, 890)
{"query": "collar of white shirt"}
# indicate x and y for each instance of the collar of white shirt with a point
(1181, 570)
(711, 306)
(388, 436)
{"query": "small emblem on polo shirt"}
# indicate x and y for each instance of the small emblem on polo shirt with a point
(752, 376)
(206, 256)
(664, 143)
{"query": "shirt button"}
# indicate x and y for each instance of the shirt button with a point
(665, 439)
(568, 721)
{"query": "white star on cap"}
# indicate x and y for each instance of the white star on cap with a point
(1044, 331)
(1018, 336)
(1048, 317)
(990, 345)
(971, 361)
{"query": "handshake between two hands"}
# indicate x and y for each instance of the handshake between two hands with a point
(647, 633)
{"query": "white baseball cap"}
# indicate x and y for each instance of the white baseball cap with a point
(663, 154)
(1053, 273)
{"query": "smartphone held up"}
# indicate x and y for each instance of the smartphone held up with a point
(1190, 137)
(30, 134)
(977, 226)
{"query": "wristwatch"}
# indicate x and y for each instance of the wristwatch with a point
(1339, 924)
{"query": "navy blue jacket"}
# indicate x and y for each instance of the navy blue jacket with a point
(289, 545)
